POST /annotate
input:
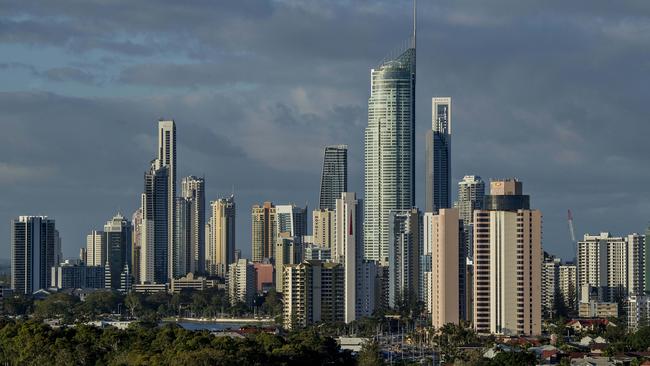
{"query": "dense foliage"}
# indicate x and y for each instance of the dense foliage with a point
(33, 343)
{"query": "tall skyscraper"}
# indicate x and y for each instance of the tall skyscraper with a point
(360, 276)
(136, 219)
(471, 193)
(404, 257)
(167, 158)
(220, 249)
(33, 254)
(438, 156)
(389, 148)
(612, 264)
(507, 262)
(441, 237)
(193, 190)
(324, 227)
(117, 233)
(646, 262)
(264, 231)
(334, 179)
(154, 246)
(183, 254)
(95, 248)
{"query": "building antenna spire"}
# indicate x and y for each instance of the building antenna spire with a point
(415, 2)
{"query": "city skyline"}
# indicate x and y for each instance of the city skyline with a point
(34, 171)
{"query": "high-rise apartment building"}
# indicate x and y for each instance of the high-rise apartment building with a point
(324, 227)
(313, 292)
(33, 253)
(136, 220)
(360, 276)
(167, 158)
(118, 238)
(154, 245)
(68, 275)
(550, 285)
(288, 250)
(404, 257)
(95, 248)
(507, 262)
(389, 149)
(612, 264)
(220, 248)
(438, 156)
(241, 282)
(568, 281)
(646, 261)
(264, 231)
(334, 179)
(442, 240)
(291, 219)
(471, 193)
(183, 254)
(193, 191)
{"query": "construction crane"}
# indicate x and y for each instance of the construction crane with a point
(572, 232)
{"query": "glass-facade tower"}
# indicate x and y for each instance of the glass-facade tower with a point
(389, 149)
(438, 156)
(334, 179)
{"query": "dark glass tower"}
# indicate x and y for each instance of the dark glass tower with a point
(334, 179)
(33, 253)
(154, 254)
(438, 156)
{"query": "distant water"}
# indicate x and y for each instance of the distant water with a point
(211, 326)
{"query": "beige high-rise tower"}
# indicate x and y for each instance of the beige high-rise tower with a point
(507, 262)
(264, 231)
(324, 227)
(441, 236)
(220, 248)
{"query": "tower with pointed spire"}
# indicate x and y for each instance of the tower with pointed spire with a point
(389, 147)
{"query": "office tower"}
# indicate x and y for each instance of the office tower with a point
(241, 282)
(118, 237)
(613, 265)
(136, 219)
(567, 287)
(288, 250)
(313, 292)
(291, 219)
(167, 158)
(264, 227)
(442, 240)
(68, 275)
(95, 248)
(404, 257)
(193, 190)
(389, 149)
(33, 243)
(58, 254)
(220, 248)
(550, 285)
(507, 262)
(154, 245)
(360, 277)
(183, 254)
(324, 225)
(438, 156)
(334, 179)
(471, 193)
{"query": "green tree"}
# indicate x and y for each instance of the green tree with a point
(17, 305)
(370, 354)
(58, 305)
